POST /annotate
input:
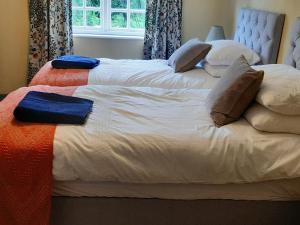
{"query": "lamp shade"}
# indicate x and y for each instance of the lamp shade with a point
(216, 33)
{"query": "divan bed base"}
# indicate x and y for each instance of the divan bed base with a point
(129, 211)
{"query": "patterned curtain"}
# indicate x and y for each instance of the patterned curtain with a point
(50, 32)
(163, 28)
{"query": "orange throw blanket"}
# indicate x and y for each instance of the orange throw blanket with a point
(60, 77)
(26, 155)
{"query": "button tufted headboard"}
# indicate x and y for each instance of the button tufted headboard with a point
(293, 55)
(260, 31)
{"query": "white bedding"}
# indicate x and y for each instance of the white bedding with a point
(147, 73)
(280, 91)
(148, 135)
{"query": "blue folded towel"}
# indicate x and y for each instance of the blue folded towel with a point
(75, 62)
(40, 107)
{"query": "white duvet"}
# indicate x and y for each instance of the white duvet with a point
(148, 135)
(147, 73)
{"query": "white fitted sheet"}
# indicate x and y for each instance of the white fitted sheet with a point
(281, 190)
(147, 73)
(150, 135)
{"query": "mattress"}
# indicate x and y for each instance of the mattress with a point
(281, 190)
(148, 73)
(130, 73)
(150, 135)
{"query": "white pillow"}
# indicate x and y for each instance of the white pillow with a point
(225, 52)
(263, 119)
(280, 91)
(215, 71)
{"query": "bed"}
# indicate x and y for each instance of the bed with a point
(151, 148)
(267, 202)
(145, 143)
(144, 73)
(258, 30)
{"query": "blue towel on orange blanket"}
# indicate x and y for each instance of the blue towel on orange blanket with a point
(40, 107)
(74, 62)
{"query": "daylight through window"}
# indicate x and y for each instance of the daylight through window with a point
(110, 17)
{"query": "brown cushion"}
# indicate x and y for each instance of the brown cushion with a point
(188, 55)
(229, 99)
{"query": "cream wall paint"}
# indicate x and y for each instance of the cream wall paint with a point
(13, 44)
(200, 15)
(290, 7)
(109, 48)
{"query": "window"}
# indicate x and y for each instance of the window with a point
(109, 17)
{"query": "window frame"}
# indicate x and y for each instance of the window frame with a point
(106, 28)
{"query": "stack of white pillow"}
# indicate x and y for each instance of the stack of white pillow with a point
(277, 107)
(224, 53)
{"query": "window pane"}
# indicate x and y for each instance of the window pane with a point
(93, 3)
(138, 4)
(119, 20)
(119, 4)
(77, 17)
(77, 2)
(93, 18)
(137, 20)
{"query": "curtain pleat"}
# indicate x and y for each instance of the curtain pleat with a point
(163, 28)
(50, 32)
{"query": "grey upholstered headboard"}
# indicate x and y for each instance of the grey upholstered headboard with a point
(293, 55)
(260, 31)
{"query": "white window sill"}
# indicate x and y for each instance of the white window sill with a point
(109, 36)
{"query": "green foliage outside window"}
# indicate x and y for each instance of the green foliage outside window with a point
(77, 18)
(77, 2)
(137, 21)
(93, 3)
(93, 18)
(138, 4)
(118, 19)
(119, 4)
